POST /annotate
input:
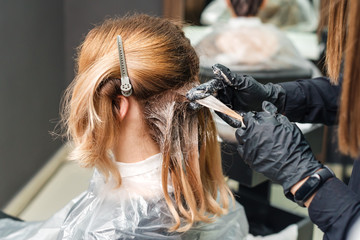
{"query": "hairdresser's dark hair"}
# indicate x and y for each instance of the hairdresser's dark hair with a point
(244, 8)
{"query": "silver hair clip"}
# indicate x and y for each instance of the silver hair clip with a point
(126, 88)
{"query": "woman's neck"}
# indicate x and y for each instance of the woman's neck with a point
(135, 148)
(134, 143)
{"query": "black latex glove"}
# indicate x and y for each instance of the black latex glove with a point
(272, 145)
(240, 92)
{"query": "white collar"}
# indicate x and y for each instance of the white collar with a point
(138, 168)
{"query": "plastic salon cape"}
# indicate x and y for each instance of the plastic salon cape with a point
(136, 210)
(292, 15)
(246, 44)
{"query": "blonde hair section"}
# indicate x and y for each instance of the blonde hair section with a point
(162, 67)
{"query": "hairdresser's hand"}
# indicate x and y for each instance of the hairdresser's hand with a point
(240, 92)
(272, 145)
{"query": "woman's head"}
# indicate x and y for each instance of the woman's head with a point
(157, 53)
(162, 67)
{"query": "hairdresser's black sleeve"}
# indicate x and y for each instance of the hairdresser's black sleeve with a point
(312, 101)
(336, 206)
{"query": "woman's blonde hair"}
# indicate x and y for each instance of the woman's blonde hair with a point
(162, 67)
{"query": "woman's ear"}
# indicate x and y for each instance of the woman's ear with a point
(123, 107)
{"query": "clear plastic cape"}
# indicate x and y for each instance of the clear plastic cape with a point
(246, 44)
(291, 15)
(136, 210)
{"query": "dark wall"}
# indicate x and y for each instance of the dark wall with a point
(31, 83)
(37, 47)
(81, 15)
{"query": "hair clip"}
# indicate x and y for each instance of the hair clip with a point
(126, 88)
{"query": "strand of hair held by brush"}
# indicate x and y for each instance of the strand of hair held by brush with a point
(215, 104)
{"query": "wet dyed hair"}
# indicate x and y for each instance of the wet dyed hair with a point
(162, 67)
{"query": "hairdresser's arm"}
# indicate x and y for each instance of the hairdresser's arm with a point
(334, 208)
(311, 101)
(272, 145)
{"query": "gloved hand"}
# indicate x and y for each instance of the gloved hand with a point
(240, 92)
(272, 145)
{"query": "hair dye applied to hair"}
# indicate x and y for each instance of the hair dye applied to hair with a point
(162, 67)
(215, 104)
